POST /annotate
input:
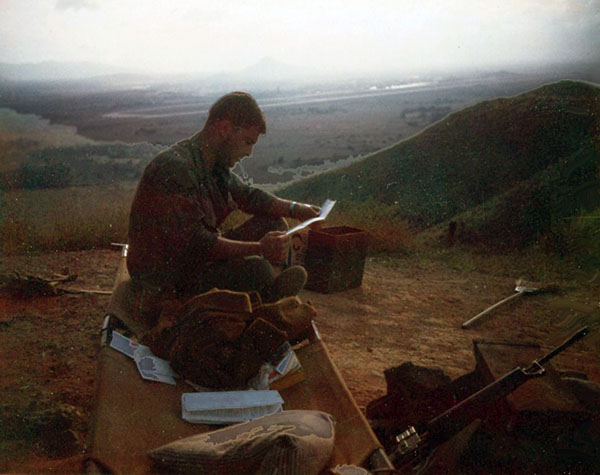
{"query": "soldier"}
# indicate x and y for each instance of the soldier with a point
(183, 197)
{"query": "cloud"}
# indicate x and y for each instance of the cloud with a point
(75, 4)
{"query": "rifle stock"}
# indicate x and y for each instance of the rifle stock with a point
(413, 446)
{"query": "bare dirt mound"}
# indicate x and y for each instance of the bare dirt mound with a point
(405, 310)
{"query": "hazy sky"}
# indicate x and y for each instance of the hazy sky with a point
(203, 35)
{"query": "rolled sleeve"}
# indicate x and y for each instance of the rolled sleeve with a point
(250, 199)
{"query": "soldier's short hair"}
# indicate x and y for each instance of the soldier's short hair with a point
(240, 108)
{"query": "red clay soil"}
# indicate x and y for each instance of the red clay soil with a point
(405, 310)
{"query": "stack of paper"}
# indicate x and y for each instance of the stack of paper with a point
(229, 407)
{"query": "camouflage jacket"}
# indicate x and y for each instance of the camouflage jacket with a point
(176, 213)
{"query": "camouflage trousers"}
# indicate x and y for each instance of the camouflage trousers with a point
(252, 273)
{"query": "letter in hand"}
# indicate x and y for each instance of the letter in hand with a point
(274, 246)
(303, 211)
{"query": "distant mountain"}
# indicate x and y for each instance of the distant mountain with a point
(55, 70)
(267, 72)
(505, 168)
(271, 69)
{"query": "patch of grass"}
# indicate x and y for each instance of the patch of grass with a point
(93, 217)
(533, 263)
(387, 232)
(64, 219)
(578, 238)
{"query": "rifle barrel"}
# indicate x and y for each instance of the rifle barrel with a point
(568, 342)
(475, 406)
(458, 416)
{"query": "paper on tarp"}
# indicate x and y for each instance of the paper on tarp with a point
(123, 344)
(284, 362)
(151, 367)
(229, 407)
(286, 365)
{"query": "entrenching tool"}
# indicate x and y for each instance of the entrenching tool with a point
(520, 290)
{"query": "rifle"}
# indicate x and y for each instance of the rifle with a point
(413, 447)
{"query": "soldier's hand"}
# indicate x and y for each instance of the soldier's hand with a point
(303, 211)
(274, 246)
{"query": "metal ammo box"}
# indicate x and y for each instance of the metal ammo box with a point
(335, 258)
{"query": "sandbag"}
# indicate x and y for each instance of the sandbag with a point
(286, 443)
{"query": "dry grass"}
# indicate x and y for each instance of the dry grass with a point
(387, 233)
(64, 219)
(93, 217)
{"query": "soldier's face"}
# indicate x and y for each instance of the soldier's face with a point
(239, 144)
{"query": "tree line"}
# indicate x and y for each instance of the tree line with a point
(60, 167)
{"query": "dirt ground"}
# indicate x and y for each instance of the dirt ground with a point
(406, 310)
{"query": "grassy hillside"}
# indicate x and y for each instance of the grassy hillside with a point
(508, 166)
(64, 219)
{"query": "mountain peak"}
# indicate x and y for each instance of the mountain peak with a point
(269, 68)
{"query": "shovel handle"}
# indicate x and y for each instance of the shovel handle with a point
(489, 309)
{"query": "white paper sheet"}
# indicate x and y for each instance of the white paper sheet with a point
(325, 209)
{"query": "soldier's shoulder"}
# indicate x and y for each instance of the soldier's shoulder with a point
(175, 158)
(178, 153)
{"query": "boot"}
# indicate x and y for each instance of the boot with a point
(287, 284)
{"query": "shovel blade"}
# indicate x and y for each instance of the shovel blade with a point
(526, 290)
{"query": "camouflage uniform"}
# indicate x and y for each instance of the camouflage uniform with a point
(174, 223)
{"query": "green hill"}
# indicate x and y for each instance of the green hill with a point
(507, 166)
